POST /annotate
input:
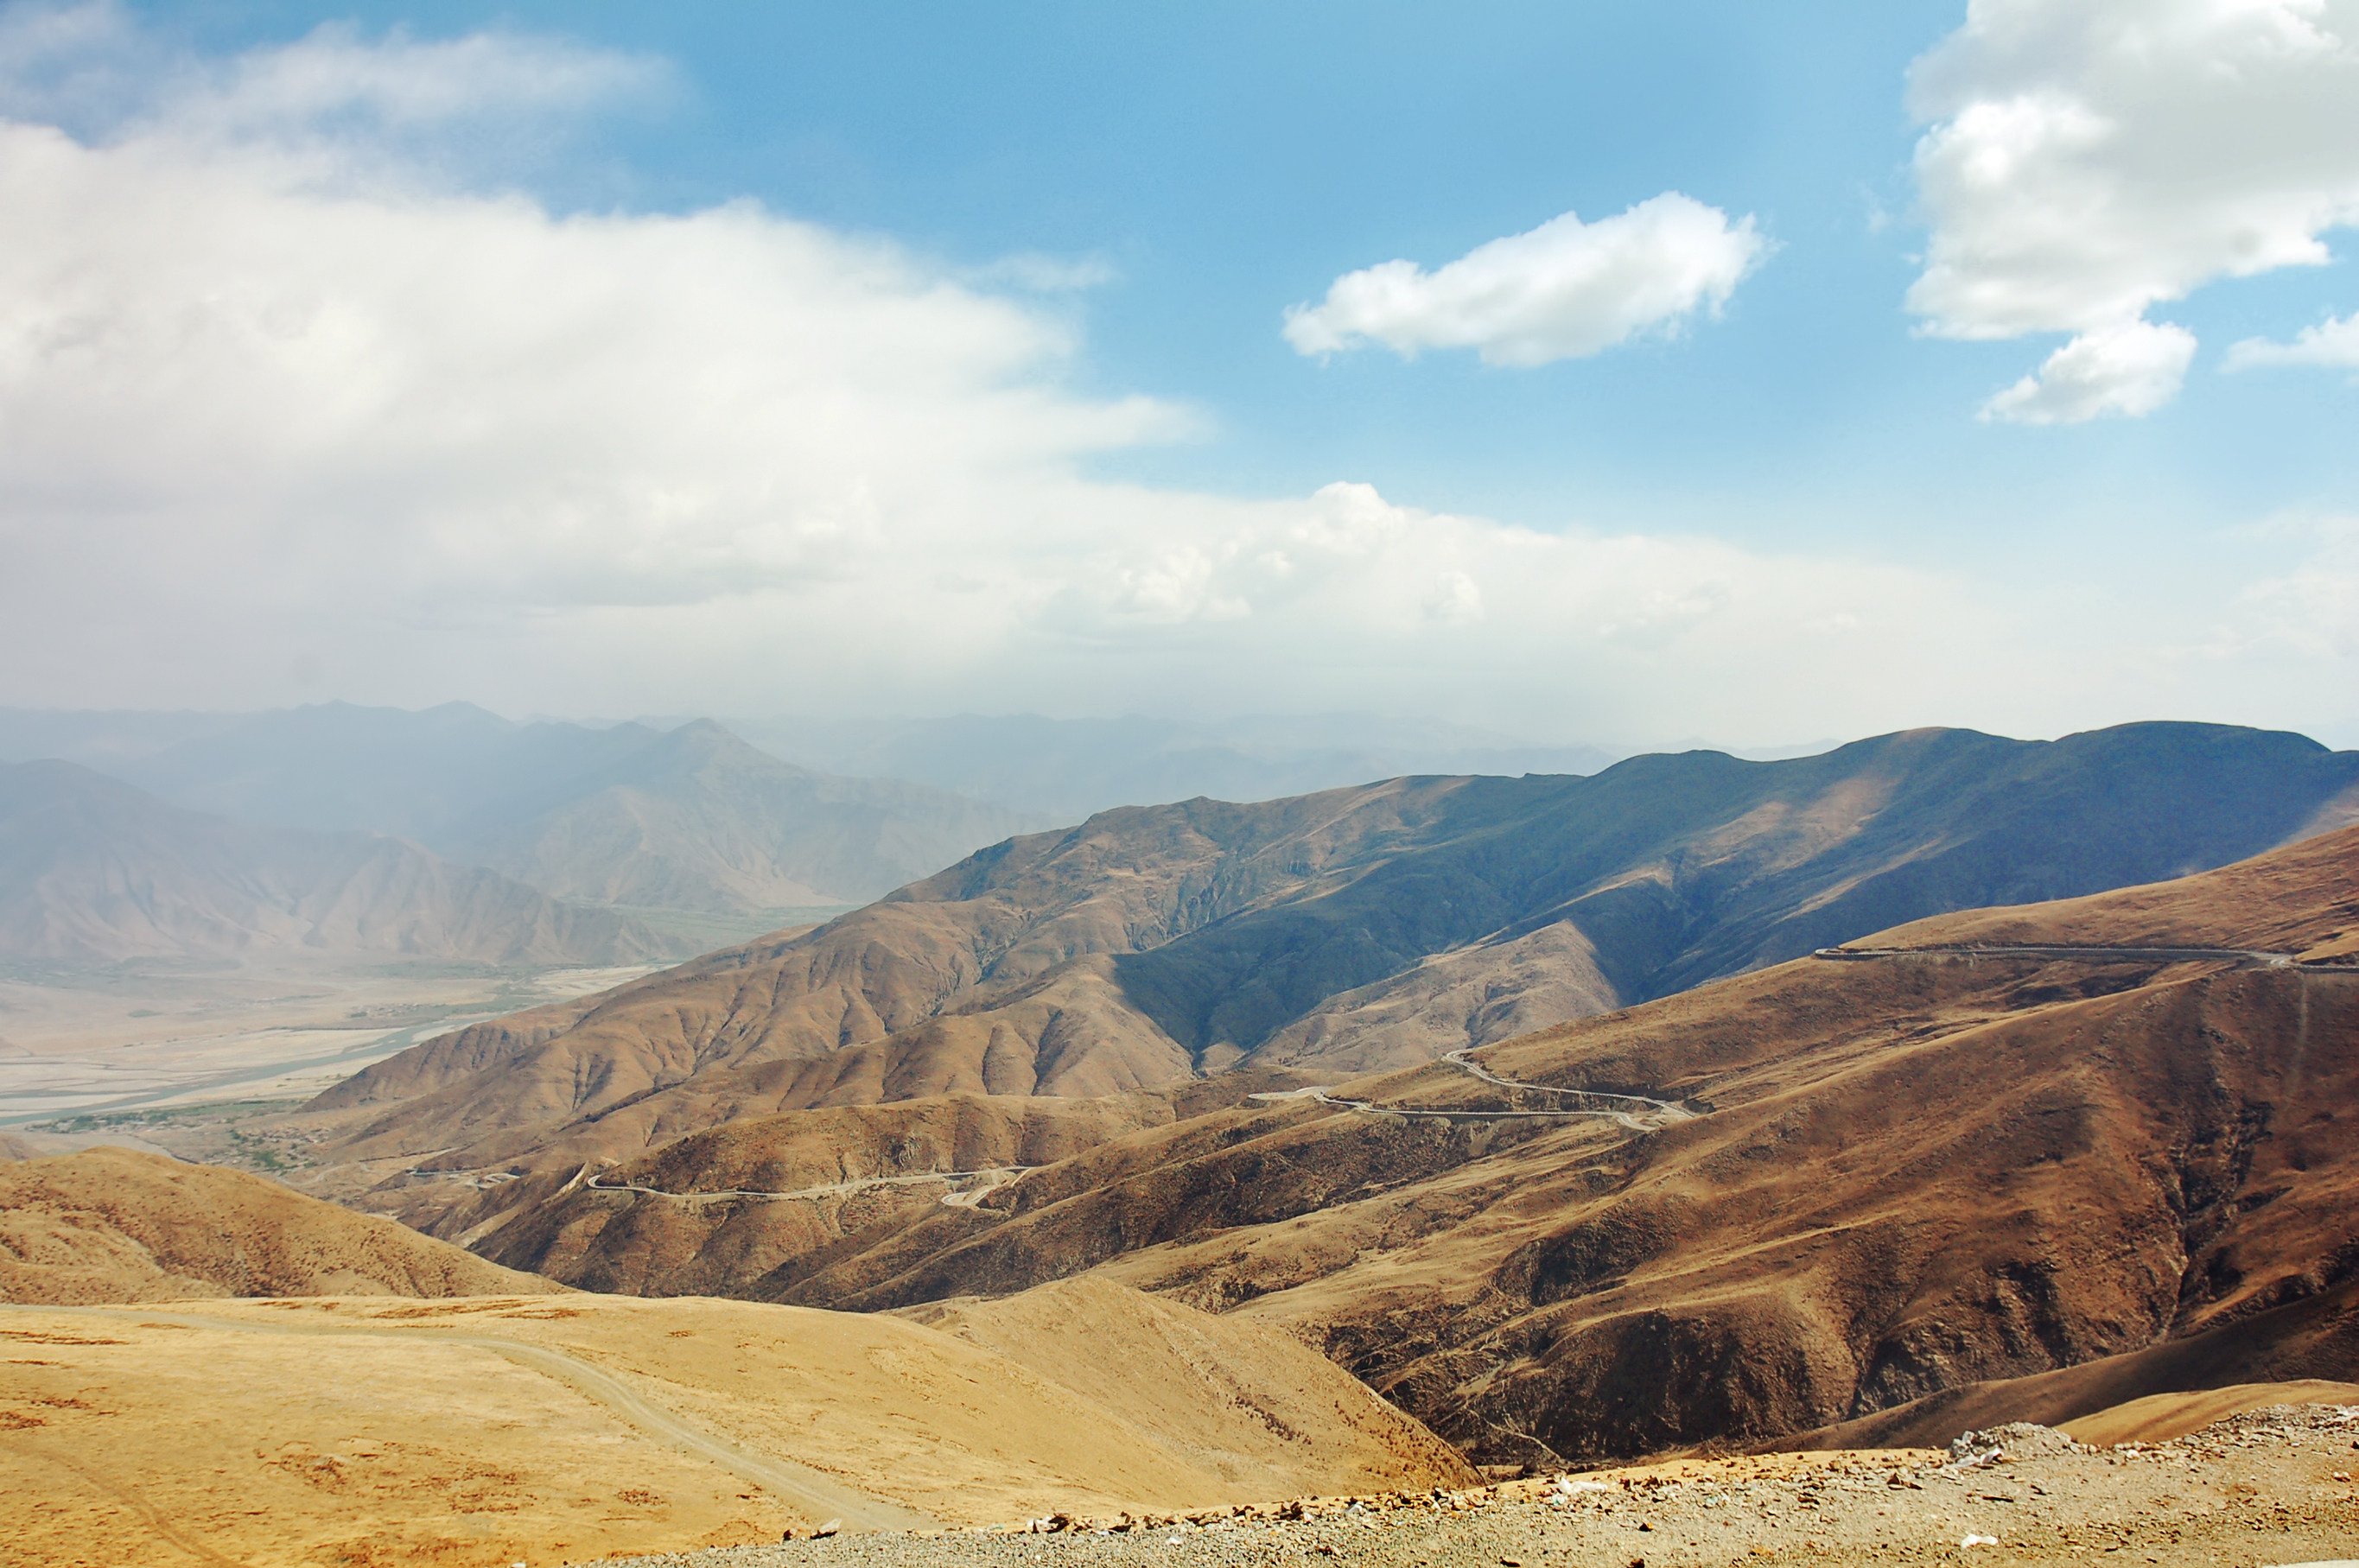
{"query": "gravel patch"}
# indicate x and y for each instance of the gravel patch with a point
(2265, 1487)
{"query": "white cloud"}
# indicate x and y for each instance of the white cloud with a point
(2332, 343)
(2087, 160)
(2131, 370)
(329, 95)
(288, 410)
(1565, 290)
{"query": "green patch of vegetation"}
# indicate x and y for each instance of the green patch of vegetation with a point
(161, 1116)
(260, 1152)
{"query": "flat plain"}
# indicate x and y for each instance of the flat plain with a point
(112, 1043)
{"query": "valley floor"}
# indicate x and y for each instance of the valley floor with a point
(2267, 1487)
(128, 1053)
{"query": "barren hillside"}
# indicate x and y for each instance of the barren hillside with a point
(108, 1225)
(1338, 932)
(1901, 1175)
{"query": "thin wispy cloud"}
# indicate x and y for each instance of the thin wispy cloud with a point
(2329, 345)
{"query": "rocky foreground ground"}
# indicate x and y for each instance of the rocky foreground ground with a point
(2270, 1487)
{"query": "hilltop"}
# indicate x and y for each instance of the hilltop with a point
(109, 1224)
(390, 1397)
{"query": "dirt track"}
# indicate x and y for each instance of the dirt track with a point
(1639, 1113)
(966, 1197)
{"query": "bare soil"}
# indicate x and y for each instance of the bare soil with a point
(2268, 1487)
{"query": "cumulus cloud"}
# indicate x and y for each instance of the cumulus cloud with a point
(1564, 290)
(2087, 160)
(289, 408)
(2332, 343)
(2130, 370)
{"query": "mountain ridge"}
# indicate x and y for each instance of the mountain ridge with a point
(688, 818)
(1909, 1175)
(95, 871)
(1345, 931)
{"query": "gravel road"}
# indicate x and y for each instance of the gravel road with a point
(2267, 1488)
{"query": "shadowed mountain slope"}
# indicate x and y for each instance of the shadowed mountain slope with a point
(109, 1224)
(1339, 933)
(93, 871)
(1908, 1174)
(2309, 1345)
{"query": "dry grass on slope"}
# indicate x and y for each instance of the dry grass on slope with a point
(2302, 899)
(1245, 1401)
(489, 1431)
(108, 1225)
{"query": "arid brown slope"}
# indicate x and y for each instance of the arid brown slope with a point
(609, 1240)
(109, 1224)
(1915, 1173)
(486, 1431)
(1338, 932)
(2312, 1342)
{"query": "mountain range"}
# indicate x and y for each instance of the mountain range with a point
(1061, 770)
(689, 834)
(93, 871)
(1699, 1102)
(1915, 1184)
(1341, 933)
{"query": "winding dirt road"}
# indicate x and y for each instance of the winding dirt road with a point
(1639, 1113)
(2249, 957)
(987, 1178)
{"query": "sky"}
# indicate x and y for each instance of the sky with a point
(1618, 375)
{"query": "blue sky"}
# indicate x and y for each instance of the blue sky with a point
(1224, 161)
(1202, 168)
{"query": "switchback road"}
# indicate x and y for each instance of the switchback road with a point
(1640, 1113)
(987, 1178)
(2250, 957)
